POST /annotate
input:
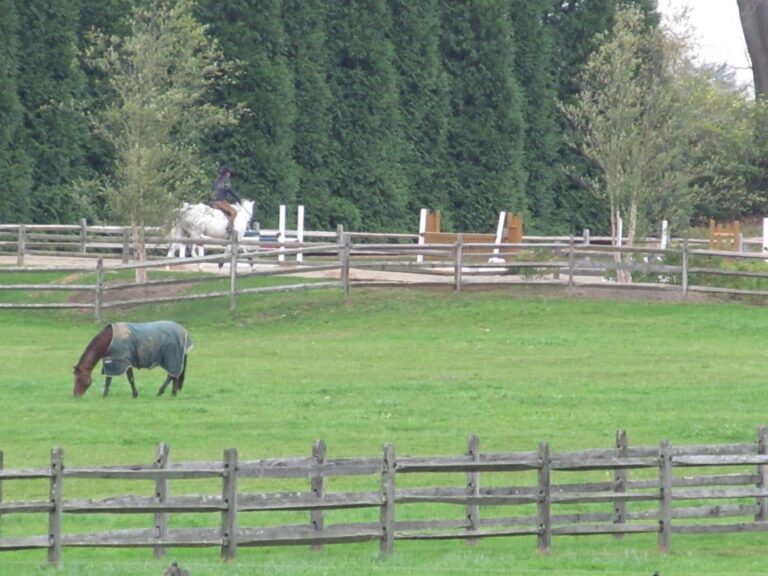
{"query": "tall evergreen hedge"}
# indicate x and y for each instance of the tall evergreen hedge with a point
(364, 111)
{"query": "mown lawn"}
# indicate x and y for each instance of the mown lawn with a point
(418, 369)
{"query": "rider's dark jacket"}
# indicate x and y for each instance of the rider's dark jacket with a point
(222, 189)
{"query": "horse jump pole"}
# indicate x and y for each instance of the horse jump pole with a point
(300, 231)
(281, 233)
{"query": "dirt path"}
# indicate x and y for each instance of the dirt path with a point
(440, 281)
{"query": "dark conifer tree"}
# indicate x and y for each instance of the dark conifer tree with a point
(260, 148)
(370, 185)
(51, 85)
(424, 102)
(14, 164)
(486, 129)
(536, 74)
(313, 145)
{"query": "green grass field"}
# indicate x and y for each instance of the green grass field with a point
(418, 369)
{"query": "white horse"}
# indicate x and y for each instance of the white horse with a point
(200, 221)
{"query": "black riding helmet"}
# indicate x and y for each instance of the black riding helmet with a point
(225, 169)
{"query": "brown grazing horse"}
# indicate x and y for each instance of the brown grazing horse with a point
(123, 346)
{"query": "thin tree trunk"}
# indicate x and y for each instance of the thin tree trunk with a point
(140, 251)
(754, 23)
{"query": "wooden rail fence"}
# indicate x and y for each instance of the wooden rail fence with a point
(541, 494)
(345, 260)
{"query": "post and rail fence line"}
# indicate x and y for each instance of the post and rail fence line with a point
(541, 494)
(344, 260)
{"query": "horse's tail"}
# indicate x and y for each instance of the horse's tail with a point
(183, 373)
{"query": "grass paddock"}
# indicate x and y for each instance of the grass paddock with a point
(419, 369)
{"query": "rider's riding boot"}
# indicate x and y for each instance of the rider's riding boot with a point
(230, 227)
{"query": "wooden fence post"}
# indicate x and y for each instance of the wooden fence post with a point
(54, 515)
(684, 273)
(229, 498)
(126, 252)
(21, 245)
(665, 495)
(545, 501)
(344, 254)
(161, 493)
(83, 235)
(571, 262)
(1, 492)
(233, 274)
(473, 488)
(762, 481)
(458, 264)
(387, 515)
(99, 292)
(620, 479)
(318, 489)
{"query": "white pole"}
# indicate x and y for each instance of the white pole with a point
(621, 231)
(422, 231)
(300, 231)
(664, 234)
(281, 233)
(499, 233)
(765, 234)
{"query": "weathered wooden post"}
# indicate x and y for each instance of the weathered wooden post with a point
(54, 515)
(665, 495)
(544, 506)
(233, 274)
(620, 479)
(762, 481)
(344, 254)
(316, 518)
(457, 266)
(1, 492)
(684, 272)
(161, 493)
(83, 235)
(126, 252)
(229, 498)
(571, 262)
(99, 292)
(21, 245)
(387, 514)
(473, 489)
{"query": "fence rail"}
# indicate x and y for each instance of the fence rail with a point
(543, 494)
(347, 260)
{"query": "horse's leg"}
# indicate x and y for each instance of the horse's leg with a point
(178, 381)
(165, 385)
(183, 373)
(107, 382)
(129, 374)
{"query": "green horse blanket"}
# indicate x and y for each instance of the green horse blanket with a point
(146, 345)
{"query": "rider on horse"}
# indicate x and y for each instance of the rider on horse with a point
(222, 191)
